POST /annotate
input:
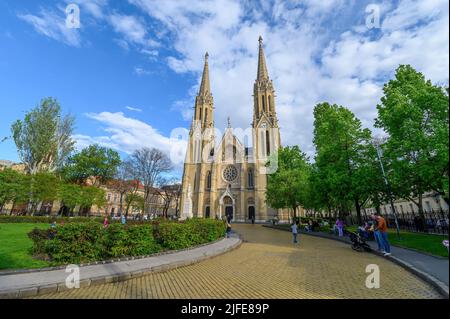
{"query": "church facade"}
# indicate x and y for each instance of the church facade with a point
(225, 177)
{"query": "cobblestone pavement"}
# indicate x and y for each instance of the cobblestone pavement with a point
(268, 265)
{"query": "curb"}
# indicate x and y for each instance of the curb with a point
(51, 288)
(102, 262)
(440, 287)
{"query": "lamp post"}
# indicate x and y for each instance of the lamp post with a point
(377, 142)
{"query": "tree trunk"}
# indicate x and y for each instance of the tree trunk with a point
(358, 211)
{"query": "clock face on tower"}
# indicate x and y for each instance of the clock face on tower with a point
(230, 173)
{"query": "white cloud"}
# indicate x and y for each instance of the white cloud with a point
(127, 134)
(53, 25)
(134, 32)
(308, 61)
(141, 71)
(135, 109)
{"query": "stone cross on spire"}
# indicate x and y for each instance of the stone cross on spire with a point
(229, 122)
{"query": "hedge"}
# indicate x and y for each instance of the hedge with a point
(90, 241)
(46, 219)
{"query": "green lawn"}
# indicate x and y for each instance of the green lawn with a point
(15, 245)
(428, 243)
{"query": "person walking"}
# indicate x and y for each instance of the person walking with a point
(105, 222)
(123, 219)
(228, 229)
(294, 228)
(340, 227)
(382, 228)
(376, 233)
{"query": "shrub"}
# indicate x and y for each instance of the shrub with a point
(173, 235)
(75, 243)
(47, 219)
(90, 241)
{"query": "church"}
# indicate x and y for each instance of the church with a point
(227, 177)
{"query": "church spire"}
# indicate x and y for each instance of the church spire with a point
(205, 88)
(262, 68)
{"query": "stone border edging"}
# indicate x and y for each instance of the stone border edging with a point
(51, 288)
(102, 262)
(441, 287)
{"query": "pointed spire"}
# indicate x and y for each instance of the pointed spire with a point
(262, 68)
(205, 86)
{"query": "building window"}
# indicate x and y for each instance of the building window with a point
(115, 198)
(109, 197)
(208, 180)
(269, 108)
(264, 103)
(250, 178)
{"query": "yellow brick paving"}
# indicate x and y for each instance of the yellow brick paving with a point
(268, 265)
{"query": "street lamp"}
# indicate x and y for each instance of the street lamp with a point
(377, 142)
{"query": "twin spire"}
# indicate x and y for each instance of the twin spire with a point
(205, 87)
(262, 67)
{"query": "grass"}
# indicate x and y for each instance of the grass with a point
(15, 246)
(427, 243)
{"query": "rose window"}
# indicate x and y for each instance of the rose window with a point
(230, 173)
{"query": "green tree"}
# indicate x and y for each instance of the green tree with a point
(13, 187)
(69, 195)
(414, 113)
(43, 139)
(94, 161)
(345, 165)
(43, 188)
(89, 196)
(288, 187)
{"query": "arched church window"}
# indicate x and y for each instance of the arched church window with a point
(208, 180)
(263, 103)
(200, 118)
(206, 116)
(250, 178)
(267, 143)
(269, 108)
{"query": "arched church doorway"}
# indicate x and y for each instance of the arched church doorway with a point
(251, 213)
(228, 204)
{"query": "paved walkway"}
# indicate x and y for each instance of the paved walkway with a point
(41, 282)
(435, 266)
(268, 265)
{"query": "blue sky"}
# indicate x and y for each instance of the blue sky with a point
(130, 72)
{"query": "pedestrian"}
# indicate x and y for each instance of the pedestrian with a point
(124, 219)
(253, 219)
(294, 228)
(228, 229)
(382, 228)
(340, 227)
(376, 233)
(105, 222)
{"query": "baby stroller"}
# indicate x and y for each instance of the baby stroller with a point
(358, 243)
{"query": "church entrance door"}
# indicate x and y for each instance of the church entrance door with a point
(251, 213)
(229, 212)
